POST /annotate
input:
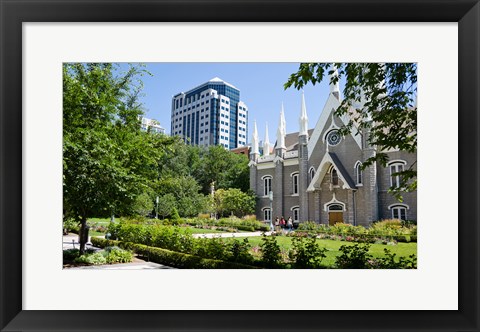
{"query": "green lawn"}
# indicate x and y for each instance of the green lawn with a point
(101, 221)
(376, 250)
(202, 230)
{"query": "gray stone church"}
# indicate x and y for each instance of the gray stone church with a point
(315, 175)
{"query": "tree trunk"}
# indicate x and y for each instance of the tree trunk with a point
(83, 234)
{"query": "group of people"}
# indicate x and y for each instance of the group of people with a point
(280, 223)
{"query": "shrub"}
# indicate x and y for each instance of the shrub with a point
(171, 258)
(70, 254)
(203, 216)
(91, 259)
(240, 252)
(354, 257)
(70, 226)
(271, 254)
(117, 255)
(307, 226)
(214, 248)
(306, 253)
(389, 262)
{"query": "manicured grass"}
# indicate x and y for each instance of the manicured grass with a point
(202, 230)
(93, 233)
(376, 250)
(101, 221)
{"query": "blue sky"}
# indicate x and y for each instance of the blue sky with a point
(260, 85)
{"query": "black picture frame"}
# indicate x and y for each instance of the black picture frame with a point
(15, 12)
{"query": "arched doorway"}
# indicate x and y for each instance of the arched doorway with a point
(335, 214)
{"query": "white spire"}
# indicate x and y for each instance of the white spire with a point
(281, 131)
(334, 87)
(303, 118)
(254, 139)
(266, 143)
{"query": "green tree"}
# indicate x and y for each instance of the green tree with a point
(226, 169)
(106, 159)
(143, 205)
(233, 202)
(379, 99)
(166, 204)
(185, 189)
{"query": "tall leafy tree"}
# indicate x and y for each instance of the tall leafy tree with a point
(106, 158)
(379, 99)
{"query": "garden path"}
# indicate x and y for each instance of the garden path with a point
(246, 234)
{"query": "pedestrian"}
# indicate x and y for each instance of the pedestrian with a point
(290, 224)
(277, 224)
(282, 222)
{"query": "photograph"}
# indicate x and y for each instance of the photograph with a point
(239, 165)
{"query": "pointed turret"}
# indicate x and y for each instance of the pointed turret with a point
(281, 131)
(254, 141)
(335, 87)
(303, 118)
(266, 143)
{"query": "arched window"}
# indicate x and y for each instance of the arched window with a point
(267, 185)
(296, 214)
(295, 183)
(311, 174)
(396, 167)
(335, 207)
(399, 211)
(267, 214)
(334, 177)
(358, 173)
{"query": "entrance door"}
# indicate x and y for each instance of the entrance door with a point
(334, 217)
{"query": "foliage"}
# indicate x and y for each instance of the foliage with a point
(91, 259)
(378, 98)
(244, 224)
(70, 225)
(117, 255)
(223, 168)
(389, 261)
(354, 257)
(187, 199)
(143, 205)
(169, 237)
(107, 160)
(70, 254)
(166, 204)
(240, 252)
(233, 202)
(271, 253)
(173, 259)
(306, 253)
(382, 231)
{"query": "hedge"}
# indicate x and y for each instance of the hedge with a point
(170, 258)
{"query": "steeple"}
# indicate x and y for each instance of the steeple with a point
(334, 87)
(266, 143)
(281, 131)
(254, 139)
(303, 118)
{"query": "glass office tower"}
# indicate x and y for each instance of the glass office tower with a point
(210, 114)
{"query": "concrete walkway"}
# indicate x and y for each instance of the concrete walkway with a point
(245, 234)
(70, 241)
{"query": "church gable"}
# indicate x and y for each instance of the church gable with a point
(325, 124)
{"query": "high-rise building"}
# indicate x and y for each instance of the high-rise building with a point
(210, 114)
(151, 125)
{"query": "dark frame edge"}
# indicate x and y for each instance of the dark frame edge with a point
(469, 138)
(12, 318)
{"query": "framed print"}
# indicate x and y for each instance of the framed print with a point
(442, 37)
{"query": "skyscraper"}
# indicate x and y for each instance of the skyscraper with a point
(210, 114)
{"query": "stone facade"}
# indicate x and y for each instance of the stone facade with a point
(314, 175)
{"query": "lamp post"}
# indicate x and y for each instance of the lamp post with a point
(156, 210)
(270, 196)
